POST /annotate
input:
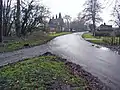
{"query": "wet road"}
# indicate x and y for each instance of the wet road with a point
(101, 62)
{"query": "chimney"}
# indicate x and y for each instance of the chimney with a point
(60, 16)
(56, 17)
(104, 23)
(53, 17)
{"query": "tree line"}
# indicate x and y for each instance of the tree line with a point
(21, 17)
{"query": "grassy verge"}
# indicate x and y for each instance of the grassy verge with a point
(59, 34)
(37, 38)
(41, 73)
(89, 37)
(101, 40)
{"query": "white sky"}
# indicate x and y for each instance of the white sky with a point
(73, 7)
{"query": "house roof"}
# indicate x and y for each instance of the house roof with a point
(105, 28)
(55, 22)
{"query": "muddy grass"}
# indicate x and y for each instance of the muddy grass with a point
(47, 72)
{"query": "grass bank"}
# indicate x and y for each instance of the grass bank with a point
(59, 34)
(106, 40)
(37, 38)
(89, 37)
(41, 73)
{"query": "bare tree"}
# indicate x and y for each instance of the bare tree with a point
(78, 25)
(81, 18)
(92, 11)
(116, 17)
(1, 9)
(33, 15)
(23, 17)
(116, 13)
(68, 20)
(7, 17)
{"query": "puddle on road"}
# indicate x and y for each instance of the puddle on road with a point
(104, 48)
(107, 49)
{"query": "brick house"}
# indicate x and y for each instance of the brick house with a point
(56, 24)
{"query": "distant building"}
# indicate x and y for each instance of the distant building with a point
(104, 27)
(56, 24)
(104, 30)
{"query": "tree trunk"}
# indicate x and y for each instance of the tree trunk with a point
(94, 28)
(4, 20)
(1, 6)
(93, 20)
(18, 30)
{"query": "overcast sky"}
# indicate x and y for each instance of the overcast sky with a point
(73, 7)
